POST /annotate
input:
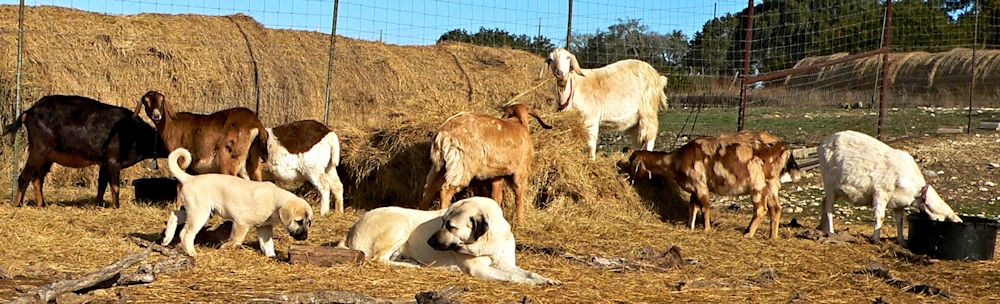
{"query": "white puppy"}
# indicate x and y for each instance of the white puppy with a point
(472, 234)
(247, 203)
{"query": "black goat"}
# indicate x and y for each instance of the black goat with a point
(78, 132)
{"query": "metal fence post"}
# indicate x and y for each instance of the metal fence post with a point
(885, 69)
(17, 97)
(746, 67)
(569, 25)
(329, 64)
(972, 83)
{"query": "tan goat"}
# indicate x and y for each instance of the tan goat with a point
(733, 164)
(625, 96)
(478, 146)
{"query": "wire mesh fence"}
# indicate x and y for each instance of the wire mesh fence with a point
(698, 44)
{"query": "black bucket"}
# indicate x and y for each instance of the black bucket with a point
(973, 239)
(155, 189)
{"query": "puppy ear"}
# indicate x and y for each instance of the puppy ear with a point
(479, 226)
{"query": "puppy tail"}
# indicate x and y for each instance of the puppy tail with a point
(178, 170)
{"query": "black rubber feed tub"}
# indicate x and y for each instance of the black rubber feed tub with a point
(155, 189)
(973, 239)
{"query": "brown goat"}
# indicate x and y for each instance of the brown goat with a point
(733, 164)
(480, 146)
(231, 141)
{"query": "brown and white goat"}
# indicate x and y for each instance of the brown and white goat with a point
(470, 145)
(734, 164)
(307, 150)
(231, 141)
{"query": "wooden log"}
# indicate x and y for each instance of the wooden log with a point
(326, 296)
(949, 130)
(167, 251)
(443, 296)
(49, 292)
(808, 164)
(324, 256)
(804, 153)
(990, 125)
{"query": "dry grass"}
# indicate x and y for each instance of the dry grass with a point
(389, 100)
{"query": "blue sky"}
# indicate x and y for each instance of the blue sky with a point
(423, 21)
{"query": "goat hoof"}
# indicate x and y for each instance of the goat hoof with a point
(875, 240)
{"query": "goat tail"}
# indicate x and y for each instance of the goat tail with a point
(261, 143)
(13, 127)
(452, 158)
(663, 94)
(334, 142)
(178, 169)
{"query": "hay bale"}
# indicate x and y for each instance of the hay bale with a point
(386, 104)
(918, 72)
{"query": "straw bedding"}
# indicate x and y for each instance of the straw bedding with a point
(388, 101)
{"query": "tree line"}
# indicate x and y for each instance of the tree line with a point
(785, 31)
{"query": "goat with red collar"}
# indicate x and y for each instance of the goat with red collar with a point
(625, 95)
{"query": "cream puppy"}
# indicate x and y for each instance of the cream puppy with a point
(247, 203)
(472, 234)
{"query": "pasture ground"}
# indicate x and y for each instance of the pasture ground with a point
(72, 236)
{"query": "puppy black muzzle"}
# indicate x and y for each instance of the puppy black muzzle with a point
(299, 234)
(436, 243)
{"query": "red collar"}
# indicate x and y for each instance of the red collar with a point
(568, 98)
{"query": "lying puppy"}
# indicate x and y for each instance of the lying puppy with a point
(472, 234)
(247, 203)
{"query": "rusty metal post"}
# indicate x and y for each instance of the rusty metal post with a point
(569, 24)
(972, 83)
(885, 69)
(17, 97)
(329, 63)
(746, 67)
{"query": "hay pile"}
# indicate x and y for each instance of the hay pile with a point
(912, 72)
(387, 100)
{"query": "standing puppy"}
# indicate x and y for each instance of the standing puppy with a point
(247, 203)
(471, 234)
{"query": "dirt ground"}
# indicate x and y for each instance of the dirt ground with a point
(73, 236)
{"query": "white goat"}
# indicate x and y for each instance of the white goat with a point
(860, 168)
(625, 95)
(307, 151)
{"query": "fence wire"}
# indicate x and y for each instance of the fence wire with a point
(698, 44)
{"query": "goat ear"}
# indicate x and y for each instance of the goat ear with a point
(479, 227)
(574, 65)
(138, 107)
(539, 119)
